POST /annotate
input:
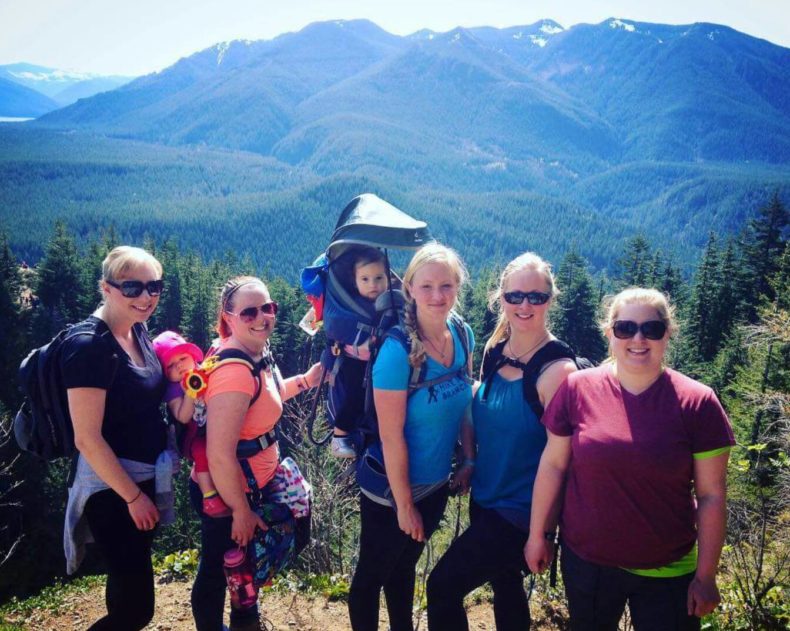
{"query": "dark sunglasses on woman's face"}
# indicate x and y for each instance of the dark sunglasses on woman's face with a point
(652, 329)
(133, 288)
(250, 313)
(532, 297)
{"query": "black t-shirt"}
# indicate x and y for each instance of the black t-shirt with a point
(133, 424)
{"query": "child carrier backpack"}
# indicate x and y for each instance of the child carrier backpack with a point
(347, 318)
(43, 425)
(554, 350)
(195, 383)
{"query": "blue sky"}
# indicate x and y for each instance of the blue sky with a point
(135, 37)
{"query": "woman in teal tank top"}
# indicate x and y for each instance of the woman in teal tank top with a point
(510, 440)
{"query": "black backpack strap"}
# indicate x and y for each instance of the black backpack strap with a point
(493, 360)
(549, 353)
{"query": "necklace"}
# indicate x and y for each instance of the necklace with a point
(517, 356)
(441, 351)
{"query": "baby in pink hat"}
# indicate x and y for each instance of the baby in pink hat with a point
(178, 357)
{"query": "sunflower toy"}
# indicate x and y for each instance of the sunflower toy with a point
(195, 382)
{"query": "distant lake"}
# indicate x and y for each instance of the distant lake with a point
(8, 119)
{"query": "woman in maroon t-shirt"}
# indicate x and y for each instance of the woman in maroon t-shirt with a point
(629, 440)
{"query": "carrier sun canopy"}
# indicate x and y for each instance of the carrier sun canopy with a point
(369, 220)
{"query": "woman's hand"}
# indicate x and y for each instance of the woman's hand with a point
(244, 524)
(143, 512)
(462, 479)
(703, 596)
(538, 553)
(410, 522)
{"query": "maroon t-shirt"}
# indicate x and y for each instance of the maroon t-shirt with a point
(628, 500)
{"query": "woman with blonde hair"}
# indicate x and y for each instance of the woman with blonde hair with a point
(114, 384)
(628, 442)
(523, 366)
(419, 428)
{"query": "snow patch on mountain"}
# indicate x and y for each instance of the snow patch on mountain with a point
(551, 29)
(222, 48)
(538, 41)
(623, 25)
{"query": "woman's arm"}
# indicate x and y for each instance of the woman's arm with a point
(710, 486)
(86, 406)
(391, 412)
(301, 383)
(463, 475)
(182, 408)
(551, 379)
(546, 501)
(225, 414)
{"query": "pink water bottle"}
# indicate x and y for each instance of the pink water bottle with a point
(238, 573)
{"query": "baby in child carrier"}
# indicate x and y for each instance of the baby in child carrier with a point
(178, 357)
(369, 279)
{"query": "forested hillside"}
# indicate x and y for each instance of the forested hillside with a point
(529, 136)
(734, 310)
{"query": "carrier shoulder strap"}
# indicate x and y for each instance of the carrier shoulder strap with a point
(235, 356)
(417, 377)
(247, 448)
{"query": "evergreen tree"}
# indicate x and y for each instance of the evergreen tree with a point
(14, 309)
(574, 319)
(474, 301)
(59, 286)
(703, 333)
(763, 245)
(91, 274)
(635, 266)
(670, 281)
(170, 313)
(288, 340)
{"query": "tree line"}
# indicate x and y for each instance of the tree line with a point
(735, 316)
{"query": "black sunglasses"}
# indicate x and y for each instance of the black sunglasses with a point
(250, 313)
(652, 329)
(133, 288)
(532, 297)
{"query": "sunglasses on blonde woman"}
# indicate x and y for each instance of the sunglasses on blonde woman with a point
(532, 297)
(133, 288)
(250, 313)
(626, 329)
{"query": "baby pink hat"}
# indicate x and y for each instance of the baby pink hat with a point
(170, 343)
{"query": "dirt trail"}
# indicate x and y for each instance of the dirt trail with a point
(292, 612)
(282, 611)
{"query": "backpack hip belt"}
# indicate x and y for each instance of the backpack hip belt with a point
(248, 448)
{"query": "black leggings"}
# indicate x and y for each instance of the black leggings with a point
(130, 575)
(210, 587)
(597, 595)
(388, 559)
(491, 550)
